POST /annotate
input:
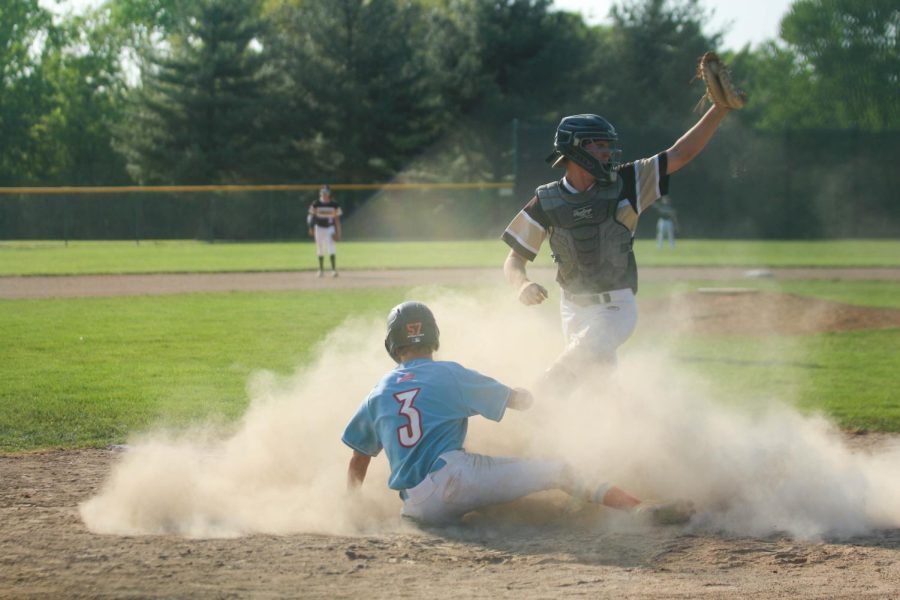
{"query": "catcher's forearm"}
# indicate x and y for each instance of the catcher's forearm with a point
(514, 270)
(529, 292)
(691, 143)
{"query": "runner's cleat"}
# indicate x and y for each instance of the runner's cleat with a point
(665, 513)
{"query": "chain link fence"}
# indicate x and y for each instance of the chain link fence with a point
(746, 184)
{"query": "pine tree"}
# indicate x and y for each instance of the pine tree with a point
(203, 112)
(362, 100)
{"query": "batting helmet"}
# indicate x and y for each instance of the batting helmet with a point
(577, 131)
(410, 324)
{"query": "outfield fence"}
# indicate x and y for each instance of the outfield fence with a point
(251, 212)
(747, 184)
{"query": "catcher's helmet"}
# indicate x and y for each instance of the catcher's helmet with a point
(410, 324)
(576, 131)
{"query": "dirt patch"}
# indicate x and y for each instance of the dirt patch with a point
(46, 552)
(745, 312)
(73, 286)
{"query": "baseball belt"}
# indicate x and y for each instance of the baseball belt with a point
(588, 299)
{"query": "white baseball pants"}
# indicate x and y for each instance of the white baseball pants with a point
(325, 244)
(594, 331)
(665, 229)
(470, 481)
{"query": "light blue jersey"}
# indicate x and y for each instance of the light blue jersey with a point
(420, 410)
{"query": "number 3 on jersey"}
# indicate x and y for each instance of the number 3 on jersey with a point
(409, 434)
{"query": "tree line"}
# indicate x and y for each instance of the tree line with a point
(270, 91)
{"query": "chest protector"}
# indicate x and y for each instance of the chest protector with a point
(591, 249)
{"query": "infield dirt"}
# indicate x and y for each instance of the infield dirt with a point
(66, 286)
(47, 552)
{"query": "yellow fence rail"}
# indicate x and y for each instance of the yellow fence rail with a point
(293, 187)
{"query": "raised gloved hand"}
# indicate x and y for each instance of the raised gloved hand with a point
(720, 89)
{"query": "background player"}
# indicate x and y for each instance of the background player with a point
(590, 216)
(419, 414)
(667, 222)
(324, 222)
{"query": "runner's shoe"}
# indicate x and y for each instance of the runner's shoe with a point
(665, 513)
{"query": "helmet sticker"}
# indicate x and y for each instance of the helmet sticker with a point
(414, 331)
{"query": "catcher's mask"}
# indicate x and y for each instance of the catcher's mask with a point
(410, 324)
(577, 131)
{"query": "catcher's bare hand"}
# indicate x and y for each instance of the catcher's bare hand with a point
(532, 293)
(720, 89)
(311, 233)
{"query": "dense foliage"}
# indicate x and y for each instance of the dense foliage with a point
(268, 91)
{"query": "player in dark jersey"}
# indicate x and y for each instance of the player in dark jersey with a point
(590, 217)
(324, 222)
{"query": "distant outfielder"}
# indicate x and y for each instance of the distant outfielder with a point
(667, 222)
(418, 413)
(324, 222)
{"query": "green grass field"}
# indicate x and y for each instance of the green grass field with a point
(85, 372)
(850, 376)
(56, 258)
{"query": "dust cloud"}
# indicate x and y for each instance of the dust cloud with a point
(649, 426)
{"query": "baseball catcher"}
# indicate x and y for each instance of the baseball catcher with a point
(590, 217)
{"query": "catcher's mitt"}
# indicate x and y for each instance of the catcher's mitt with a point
(720, 90)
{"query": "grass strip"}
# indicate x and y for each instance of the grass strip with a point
(96, 257)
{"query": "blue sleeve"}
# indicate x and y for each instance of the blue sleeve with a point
(360, 433)
(480, 394)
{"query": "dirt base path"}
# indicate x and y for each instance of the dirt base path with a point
(46, 552)
(182, 283)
